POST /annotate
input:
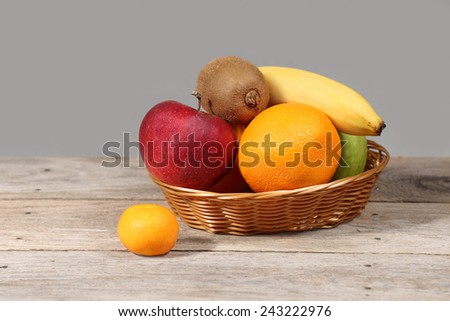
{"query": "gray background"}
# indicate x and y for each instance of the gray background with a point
(77, 74)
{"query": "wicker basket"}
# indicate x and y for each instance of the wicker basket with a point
(307, 208)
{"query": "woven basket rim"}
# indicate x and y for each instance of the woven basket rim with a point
(379, 166)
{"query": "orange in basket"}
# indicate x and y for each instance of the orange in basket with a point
(288, 146)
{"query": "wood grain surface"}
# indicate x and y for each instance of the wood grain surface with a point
(58, 241)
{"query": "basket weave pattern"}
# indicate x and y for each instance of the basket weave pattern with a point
(307, 208)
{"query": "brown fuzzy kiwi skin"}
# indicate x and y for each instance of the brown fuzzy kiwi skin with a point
(233, 89)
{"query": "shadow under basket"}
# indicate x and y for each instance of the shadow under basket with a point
(307, 208)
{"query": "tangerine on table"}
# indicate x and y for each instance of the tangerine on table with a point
(289, 146)
(148, 229)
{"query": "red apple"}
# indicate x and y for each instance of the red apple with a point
(185, 147)
(232, 182)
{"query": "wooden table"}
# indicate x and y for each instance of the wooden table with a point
(58, 241)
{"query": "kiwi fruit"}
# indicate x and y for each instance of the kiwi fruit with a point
(233, 89)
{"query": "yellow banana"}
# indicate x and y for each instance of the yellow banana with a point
(350, 112)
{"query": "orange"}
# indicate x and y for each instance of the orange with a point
(148, 229)
(288, 146)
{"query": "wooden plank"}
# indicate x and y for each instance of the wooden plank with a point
(73, 178)
(100, 275)
(58, 241)
(414, 180)
(403, 180)
(91, 225)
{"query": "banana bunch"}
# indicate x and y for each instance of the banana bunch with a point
(350, 112)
